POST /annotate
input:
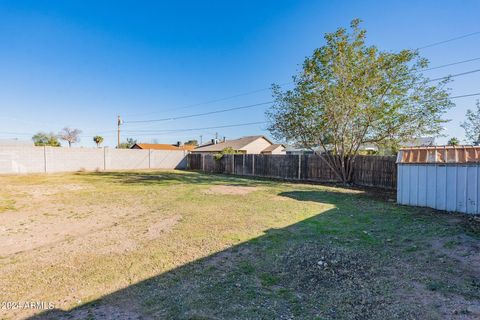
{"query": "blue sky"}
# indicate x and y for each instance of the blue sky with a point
(80, 63)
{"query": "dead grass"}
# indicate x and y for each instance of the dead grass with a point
(230, 190)
(141, 245)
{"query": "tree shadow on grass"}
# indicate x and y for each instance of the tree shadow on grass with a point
(169, 177)
(175, 177)
(337, 264)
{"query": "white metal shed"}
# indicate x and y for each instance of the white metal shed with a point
(444, 178)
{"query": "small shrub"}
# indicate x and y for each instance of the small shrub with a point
(228, 150)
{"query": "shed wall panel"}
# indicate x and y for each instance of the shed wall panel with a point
(450, 187)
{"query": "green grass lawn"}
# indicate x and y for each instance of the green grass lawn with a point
(184, 245)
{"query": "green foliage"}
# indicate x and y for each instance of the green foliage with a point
(349, 94)
(46, 139)
(98, 140)
(453, 142)
(192, 142)
(472, 125)
(127, 145)
(228, 150)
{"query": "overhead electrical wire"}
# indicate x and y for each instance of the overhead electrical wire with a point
(136, 133)
(167, 131)
(455, 75)
(263, 103)
(448, 40)
(451, 64)
(201, 114)
(290, 82)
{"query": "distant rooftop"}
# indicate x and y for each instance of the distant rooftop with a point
(419, 142)
(236, 144)
(161, 146)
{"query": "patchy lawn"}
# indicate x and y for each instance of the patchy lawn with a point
(182, 245)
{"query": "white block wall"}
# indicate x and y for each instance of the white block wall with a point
(51, 159)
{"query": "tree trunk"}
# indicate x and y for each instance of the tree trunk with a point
(341, 166)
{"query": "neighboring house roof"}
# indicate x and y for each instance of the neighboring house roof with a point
(294, 149)
(160, 146)
(419, 142)
(321, 149)
(15, 143)
(237, 144)
(272, 147)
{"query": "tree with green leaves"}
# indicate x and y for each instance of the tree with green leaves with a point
(45, 139)
(472, 125)
(98, 140)
(453, 142)
(127, 145)
(227, 150)
(192, 142)
(350, 94)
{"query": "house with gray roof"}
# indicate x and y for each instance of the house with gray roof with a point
(245, 145)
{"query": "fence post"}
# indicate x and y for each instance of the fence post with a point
(45, 158)
(299, 166)
(233, 164)
(104, 159)
(149, 158)
(243, 164)
(253, 164)
(203, 162)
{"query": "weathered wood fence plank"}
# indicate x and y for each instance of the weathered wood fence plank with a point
(372, 171)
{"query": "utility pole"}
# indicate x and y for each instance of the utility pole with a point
(201, 139)
(216, 136)
(119, 122)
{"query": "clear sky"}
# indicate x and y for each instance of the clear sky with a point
(81, 63)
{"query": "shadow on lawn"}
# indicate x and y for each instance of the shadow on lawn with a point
(194, 177)
(332, 265)
(176, 177)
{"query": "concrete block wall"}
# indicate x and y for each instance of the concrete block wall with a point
(14, 160)
(123, 159)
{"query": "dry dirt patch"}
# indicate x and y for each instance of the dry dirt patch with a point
(40, 191)
(230, 190)
(162, 226)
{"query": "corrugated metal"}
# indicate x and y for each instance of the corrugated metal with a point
(450, 187)
(439, 154)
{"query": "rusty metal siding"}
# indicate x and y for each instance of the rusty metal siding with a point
(440, 154)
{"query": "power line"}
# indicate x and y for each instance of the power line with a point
(455, 75)
(264, 103)
(230, 97)
(215, 100)
(166, 131)
(17, 133)
(448, 40)
(451, 64)
(290, 82)
(465, 95)
(201, 114)
(269, 102)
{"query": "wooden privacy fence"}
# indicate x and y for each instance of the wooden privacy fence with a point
(372, 171)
